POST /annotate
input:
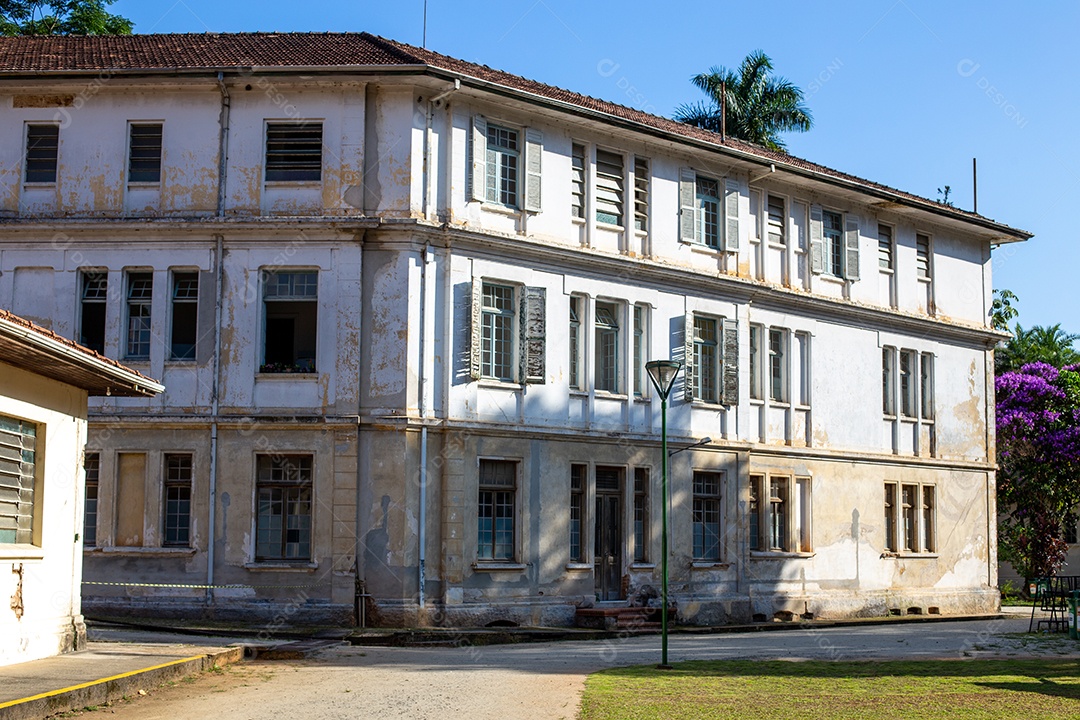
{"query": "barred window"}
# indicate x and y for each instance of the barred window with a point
(641, 514)
(294, 151)
(283, 520)
(496, 510)
(577, 511)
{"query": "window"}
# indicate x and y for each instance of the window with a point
(708, 212)
(802, 369)
(833, 235)
(706, 515)
(495, 510)
(185, 315)
(293, 151)
(641, 194)
(917, 532)
(177, 501)
(607, 347)
(95, 293)
(778, 365)
(778, 514)
(641, 514)
(755, 511)
(888, 380)
(577, 511)
(501, 184)
(890, 517)
(706, 359)
(144, 152)
(610, 187)
(640, 349)
(756, 382)
(42, 147)
(497, 344)
(283, 520)
(922, 256)
(139, 299)
(926, 385)
(92, 470)
(576, 304)
(18, 481)
(577, 181)
(777, 221)
(885, 248)
(908, 408)
(290, 306)
(800, 515)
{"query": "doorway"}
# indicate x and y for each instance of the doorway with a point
(609, 536)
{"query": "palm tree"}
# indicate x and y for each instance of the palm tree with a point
(759, 106)
(1050, 345)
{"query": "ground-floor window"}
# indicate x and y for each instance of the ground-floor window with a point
(496, 510)
(177, 493)
(910, 518)
(641, 514)
(92, 469)
(706, 521)
(283, 519)
(18, 478)
(779, 513)
(577, 511)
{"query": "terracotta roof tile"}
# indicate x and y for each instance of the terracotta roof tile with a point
(213, 51)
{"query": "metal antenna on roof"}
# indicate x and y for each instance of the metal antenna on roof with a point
(723, 111)
(423, 43)
(974, 186)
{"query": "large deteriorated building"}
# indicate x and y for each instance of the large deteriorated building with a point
(402, 306)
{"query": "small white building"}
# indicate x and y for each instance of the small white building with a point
(44, 383)
(402, 304)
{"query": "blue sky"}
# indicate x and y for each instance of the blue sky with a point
(903, 92)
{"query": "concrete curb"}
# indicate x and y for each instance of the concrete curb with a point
(99, 692)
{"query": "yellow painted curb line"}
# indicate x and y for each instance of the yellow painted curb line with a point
(11, 703)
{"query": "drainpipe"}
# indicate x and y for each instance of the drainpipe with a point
(429, 191)
(219, 273)
(425, 259)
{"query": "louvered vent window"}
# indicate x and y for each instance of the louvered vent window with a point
(293, 152)
(42, 148)
(18, 445)
(144, 155)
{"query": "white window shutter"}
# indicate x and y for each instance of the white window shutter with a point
(731, 214)
(534, 149)
(688, 358)
(817, 240)
(475, 327)
(533, 331)
(687, 205)
(851, 246)
(731, 362)
(479, 158)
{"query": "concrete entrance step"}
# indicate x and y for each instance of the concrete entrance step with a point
(624, 618)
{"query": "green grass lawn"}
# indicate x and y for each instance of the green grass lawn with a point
(995, 689)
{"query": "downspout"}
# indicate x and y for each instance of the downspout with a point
(422, 404)
(219, 273)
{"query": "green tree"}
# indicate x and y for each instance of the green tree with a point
(61, 17)
(1002, 311)
(1038, 344)
(759, 106)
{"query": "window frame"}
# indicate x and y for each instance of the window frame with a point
(707, 391)
(29, 159)
(640, 349)
(757, 365)
(771, 222)
(298, 364)
(92, 479)
(641, 514)
(503, 166)
(575, 343)
(177, 478)
(607, 347)
(153, 162)
(907, 382)
(887, 252)
(610, 211)
(138, 314)
(579, 179)
(579, 473)
(706, 206)
(711, 504)
(779, 382)
(99, 281)
(924, 254)
(511, 502)
(178, 301)
(27, 527)
(283, 171)
(833, 246)
(642, 179)
(505, 370)
(304, 481)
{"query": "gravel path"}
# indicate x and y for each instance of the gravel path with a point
(542, 680)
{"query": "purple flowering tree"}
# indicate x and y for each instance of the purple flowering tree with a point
(1038, 452)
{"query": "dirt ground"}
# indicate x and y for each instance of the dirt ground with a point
(542, 680)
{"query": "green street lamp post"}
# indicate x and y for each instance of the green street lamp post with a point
(662, 374)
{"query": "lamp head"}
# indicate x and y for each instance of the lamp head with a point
(662, 374)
